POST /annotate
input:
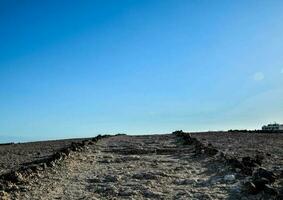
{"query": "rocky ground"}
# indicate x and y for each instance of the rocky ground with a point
(15, 155)
(241, 144)
(136, 167)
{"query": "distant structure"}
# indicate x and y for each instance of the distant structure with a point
(273, 127)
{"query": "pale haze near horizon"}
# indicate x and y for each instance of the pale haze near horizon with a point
(138, 67)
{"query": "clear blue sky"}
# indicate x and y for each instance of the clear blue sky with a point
(79, 68)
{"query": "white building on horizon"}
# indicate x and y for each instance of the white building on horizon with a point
(273, 127)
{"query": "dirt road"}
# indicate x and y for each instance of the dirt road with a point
(134, 167)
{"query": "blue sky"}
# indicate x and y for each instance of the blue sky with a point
(80, 68)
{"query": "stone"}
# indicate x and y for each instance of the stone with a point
(247, 171)
(107, 156)
(144, 175)
(259, 159)
(237, 170)
(13, 188)
(185, 182)
(14, 177)
(4, 195)
(132, 158)
(214, 180)
(23, 189)
(126, 192)
(43, 165)
(95, 180)
(260, 183)
(108, 190)
(66, 151)
(211, 151)
(75, 146)
(270, 190)
(151, 194)
(35, 168)
(230, 177)
(236, 188)
(268, 154)
(57, 156)
(111, 178)
(105, 161)
(263, 173)
(249, 162)
(250, 188)
(163, 174)
(235, 163)
(51, 164)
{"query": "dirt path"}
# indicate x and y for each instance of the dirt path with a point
(140, 167)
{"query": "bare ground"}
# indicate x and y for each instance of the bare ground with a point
(16, 155)
(241, 144)
(140, 167)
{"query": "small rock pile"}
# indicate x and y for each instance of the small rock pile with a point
(261, 178)
(262, 181)
(200, 148)
(246, 165)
